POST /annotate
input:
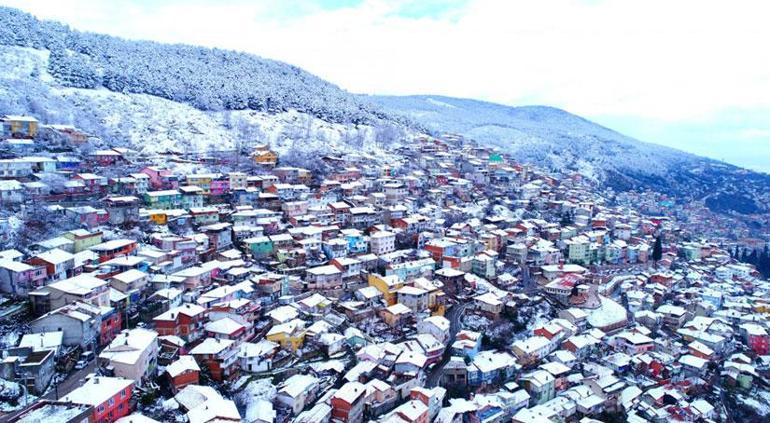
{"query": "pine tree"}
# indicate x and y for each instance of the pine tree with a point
(657, 250)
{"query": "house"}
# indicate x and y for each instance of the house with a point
(297, 392)
(756, 337)
(110, 397)
(488, 304)
(83, 239)
(31, 369)
(396, 314)
(491, 366)
(673, 316)
(532, 349)
(633, 342)
(164, 199)
(14, 126)
(327, 277)
(257, 357)
(115, 248)
(43, 408)
(133, 354)
(20, 278)
(540, 385)
(43, 341)
(262, 155)
(290, 335)
(225, 328)
(131, 282)
(413, 411)
(59, 264)
(219, 356)
(122, 210)
(382, 242)
(467, 344)
(182, 372)
(387, 285)
(79, 323)
(438, 326)
(348, 402)
(83, 288)
(415, 299)
(185, 321)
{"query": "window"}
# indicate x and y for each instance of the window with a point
(111, 401)
(124, 393)
(101, 408)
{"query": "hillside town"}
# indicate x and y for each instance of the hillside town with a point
(433, 281)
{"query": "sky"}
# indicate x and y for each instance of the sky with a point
(690, 74)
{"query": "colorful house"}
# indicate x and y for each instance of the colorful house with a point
(110, 397)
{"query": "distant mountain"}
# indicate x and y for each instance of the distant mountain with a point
(561, 141)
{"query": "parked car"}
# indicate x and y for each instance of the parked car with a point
(81, 364)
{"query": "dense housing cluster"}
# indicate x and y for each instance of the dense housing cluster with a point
(442, 281)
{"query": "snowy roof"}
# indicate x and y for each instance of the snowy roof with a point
(224, 326)
(43, 340)
(183, 364)
(131, 275)
(213, 410)
(350, 392)
(297, 384)
(97, 390)
(608, 314)
(82, 284)
(55, 256)
(211, 346)
(283, 314)
(129, 346)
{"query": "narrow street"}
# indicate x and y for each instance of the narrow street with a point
(72, 381)
(455, 316)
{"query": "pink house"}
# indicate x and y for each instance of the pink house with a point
(161, 179)
(220, 185)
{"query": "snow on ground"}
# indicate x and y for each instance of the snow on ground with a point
(152, 124)
(760, 403)
(248, 400)
(12, 396)
(607, 314)
(23, 62)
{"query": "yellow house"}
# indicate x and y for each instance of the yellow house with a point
(762, 307)
(19, 125)
(388, 285)
(290, 335)
(158, 217)
(202, 181)
(83, 239)
(264, 156)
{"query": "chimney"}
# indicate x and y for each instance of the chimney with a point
(96, 380)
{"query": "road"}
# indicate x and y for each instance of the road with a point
(72, 381)
(455, 316)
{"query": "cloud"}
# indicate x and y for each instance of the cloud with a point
(662, 60)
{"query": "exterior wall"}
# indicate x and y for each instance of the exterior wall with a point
(114, 408)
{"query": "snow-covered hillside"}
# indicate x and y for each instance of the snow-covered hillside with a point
(208, 79)
(153, 124)
(561, 141)
(545, 135)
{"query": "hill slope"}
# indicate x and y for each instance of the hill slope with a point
(158, 97)
(562, 141)
(208, 79)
